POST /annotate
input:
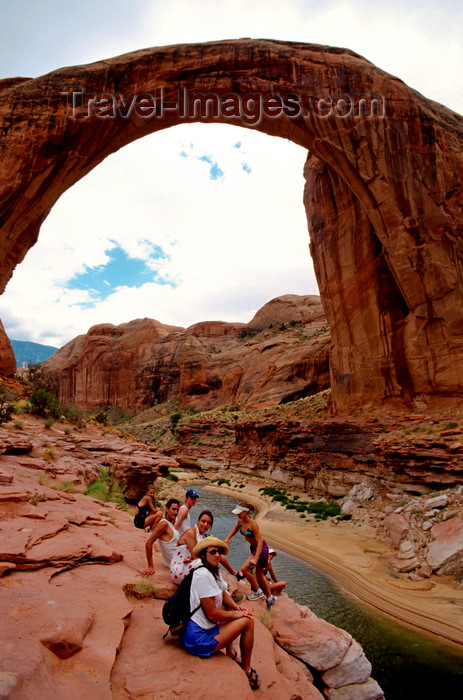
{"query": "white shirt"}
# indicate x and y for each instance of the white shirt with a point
(185, 523)
(205, 585)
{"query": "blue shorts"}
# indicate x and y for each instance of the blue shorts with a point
(199, 641)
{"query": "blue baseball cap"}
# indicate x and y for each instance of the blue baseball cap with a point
(191, 493)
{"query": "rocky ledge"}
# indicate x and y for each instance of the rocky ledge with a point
(71, 624)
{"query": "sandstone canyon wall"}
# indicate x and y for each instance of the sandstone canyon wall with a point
(383, 194)
(280, 355)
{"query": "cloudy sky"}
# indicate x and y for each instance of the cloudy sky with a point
(199, 222)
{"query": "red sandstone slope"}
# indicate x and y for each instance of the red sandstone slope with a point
(141, 363)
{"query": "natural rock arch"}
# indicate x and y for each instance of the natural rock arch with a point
(383, 194)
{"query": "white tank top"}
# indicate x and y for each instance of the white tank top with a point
(167, 548)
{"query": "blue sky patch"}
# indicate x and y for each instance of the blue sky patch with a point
(246, 167)
(121, 270)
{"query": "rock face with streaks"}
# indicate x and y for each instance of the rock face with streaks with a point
(282, 354)
(383, 193)
(7, 358)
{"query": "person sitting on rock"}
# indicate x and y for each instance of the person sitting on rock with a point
(217, 620)
(259, 554)
(166, 535)
(148, 514)
(182, 524)
(183, 559)
(274, 584)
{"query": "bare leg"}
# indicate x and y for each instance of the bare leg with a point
(263, 581)
(224, 561)
(243, 628)
(277, 587)
(153, 519)
(250, 577)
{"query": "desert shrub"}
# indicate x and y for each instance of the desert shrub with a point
(174, 419)
(36, 498)
(19, 425)
(66, 486)
(291, 506)
(323, 510)
(45, 404)
(345, 516)
(49, 422)
(171, 477)
(36, 378)
(106, 488)
(50, 453)
(281, 497)
(6, 407)
(73, 414)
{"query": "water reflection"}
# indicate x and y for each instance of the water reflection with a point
(405, 664)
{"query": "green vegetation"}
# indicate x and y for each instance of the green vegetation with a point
(6, 407)
(221, 481)
(319, 509)
(106, 488)
(171, 477)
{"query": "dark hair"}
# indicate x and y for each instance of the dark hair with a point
(213, 569)
(206, 512)
(171, 502)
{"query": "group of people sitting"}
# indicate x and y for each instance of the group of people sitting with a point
(217, 618)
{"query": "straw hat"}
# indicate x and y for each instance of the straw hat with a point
(210, 541)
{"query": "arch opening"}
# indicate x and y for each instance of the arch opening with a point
(396, 342)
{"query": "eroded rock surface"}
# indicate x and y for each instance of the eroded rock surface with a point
(383, 194)
(71, 627)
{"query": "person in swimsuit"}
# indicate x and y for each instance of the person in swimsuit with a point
(148, 515)
(216, 619)
(259, 554)
(166, 535)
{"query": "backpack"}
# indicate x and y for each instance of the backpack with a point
(176, 609)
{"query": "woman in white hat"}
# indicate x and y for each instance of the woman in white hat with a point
(217, 620)
(259, 554)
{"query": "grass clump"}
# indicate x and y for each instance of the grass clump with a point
(106, 488)
(141, 589)
(65, 486)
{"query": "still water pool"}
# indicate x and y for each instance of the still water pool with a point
(407, 665)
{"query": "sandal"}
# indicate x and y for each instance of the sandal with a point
(253, 680)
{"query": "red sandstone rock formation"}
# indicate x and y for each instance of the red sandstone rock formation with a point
(7, 358)
(383, 194)
(140, 363)
(70, 626)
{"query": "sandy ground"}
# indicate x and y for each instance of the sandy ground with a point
(356, 560)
